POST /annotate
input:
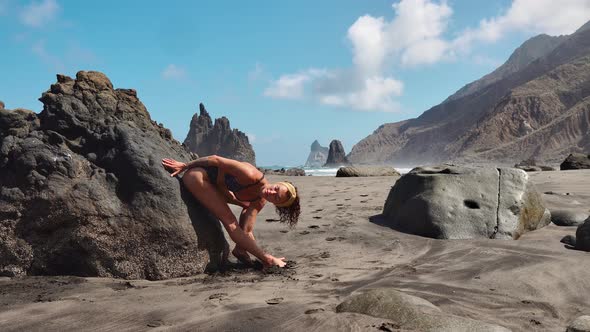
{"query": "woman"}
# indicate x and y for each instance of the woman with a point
(216, 181)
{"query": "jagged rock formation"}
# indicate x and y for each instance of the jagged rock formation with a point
(576, 161)
(317, 156)
(454, 202)
(1, 105)
(82, 190)
(336, 155)
(205, 138)
(535, 105)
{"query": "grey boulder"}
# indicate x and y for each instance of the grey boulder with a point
(567, 217)
(409, 312)
(360, 171)
(459, 202)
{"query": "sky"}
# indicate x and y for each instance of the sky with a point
(284, 72)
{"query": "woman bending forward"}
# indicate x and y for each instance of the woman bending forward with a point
(216, 181)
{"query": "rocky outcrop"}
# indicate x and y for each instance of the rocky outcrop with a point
(455, 202)
(1, 105)
(336, 155)
(206, 138)
(361, 171)
(317, 156)
(282, 171)
(541, 110)
(82, 190)
(409, 313)
(576, 161)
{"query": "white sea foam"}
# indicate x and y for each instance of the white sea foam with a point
(332, 171)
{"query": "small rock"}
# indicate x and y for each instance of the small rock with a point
(580, 324)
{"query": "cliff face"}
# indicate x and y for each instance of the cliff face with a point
(317, 156)
(207, 138)
(535, 105)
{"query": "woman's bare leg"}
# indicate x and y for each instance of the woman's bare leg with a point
(196, 181)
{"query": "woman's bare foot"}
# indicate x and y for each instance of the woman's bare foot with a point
(242, 256)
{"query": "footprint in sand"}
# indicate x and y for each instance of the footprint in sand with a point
(313, 226)
(364, 201)
(313, 311)
(304, 233)
(339, 238)
(218, 296)
(364, 195)
(316, 276)
(155, 323)
(276, 300)
(271, 220)
(317, 217)
(325, 254)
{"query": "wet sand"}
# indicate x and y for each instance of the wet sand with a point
(532, 284)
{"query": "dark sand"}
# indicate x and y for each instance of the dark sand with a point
(533, 284)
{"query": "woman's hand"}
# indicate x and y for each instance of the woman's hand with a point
(272, 261)
(173, 166)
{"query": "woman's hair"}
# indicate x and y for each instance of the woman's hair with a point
(290, 214)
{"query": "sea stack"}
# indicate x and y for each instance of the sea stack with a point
(206, 138)
(317, 156)
(336, 155)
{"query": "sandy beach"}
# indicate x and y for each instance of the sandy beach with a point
(337, 250)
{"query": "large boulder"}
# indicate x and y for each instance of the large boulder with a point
(568, 217)
(409, 312)
(358, 171)
(576, 161)
(317, 156)
(458, 202)
(83, 192)
(206, 138)
(336, 155)
(583, 236)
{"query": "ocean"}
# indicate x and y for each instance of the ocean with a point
(321, 171)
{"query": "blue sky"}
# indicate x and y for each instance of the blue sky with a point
(286, 73)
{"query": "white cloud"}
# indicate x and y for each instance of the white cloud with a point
(292, 86)
(174, 72)
(538, 16)
(417, 35)
(37, 14)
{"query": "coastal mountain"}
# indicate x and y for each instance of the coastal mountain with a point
(207, 138)
(317, 156)
(536, 105)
